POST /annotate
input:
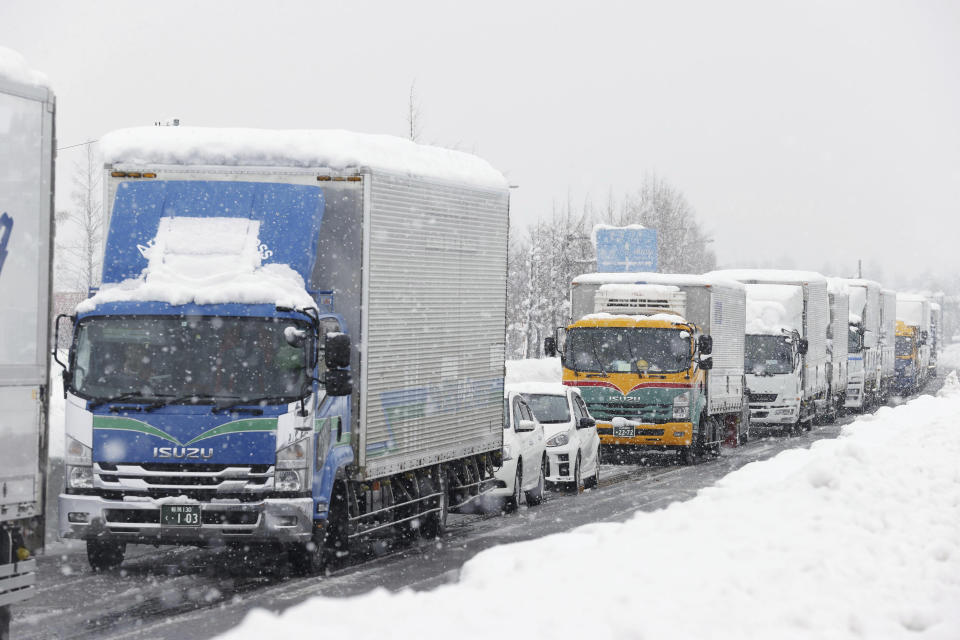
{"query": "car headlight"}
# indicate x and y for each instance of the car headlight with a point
(79, 464)
(558, 440)
(507, 452)
(681, 406)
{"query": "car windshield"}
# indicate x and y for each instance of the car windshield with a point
(164, 357)
(628, 350)
(548, 409)
(904, 346)
(768, 355)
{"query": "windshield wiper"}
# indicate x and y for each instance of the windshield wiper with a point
(208, 397)
(247, 405)
(596, 356)
(120, 398)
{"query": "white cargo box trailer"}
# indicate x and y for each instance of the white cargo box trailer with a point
(838, 340)
(863, 385)
(715, 304)
(27, 151)
(888, 338)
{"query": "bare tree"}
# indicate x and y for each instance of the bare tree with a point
(79, 229)
(413, 113)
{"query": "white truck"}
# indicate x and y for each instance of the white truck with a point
(887, 343)
(787, 368)
(863, 375)
(27, 152)
(915, 311)
(838, 342)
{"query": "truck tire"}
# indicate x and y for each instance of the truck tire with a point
(104, 555)
(690, 455)
(432, 525)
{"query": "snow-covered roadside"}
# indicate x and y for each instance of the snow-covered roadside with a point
(857, 537)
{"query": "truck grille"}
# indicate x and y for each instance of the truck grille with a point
(763, 397)
(648, 413)
(199, 482)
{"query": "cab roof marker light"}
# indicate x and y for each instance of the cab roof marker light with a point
(323, 178)
(118, 174)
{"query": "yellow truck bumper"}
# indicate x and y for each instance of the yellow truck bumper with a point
(670, 434)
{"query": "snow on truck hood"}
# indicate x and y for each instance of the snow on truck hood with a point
(207, 261)
(334, 149)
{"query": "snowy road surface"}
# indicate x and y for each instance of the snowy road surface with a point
(195, 593)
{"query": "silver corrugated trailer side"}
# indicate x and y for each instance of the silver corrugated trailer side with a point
(27, 152)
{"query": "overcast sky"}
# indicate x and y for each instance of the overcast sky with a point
(804, 134)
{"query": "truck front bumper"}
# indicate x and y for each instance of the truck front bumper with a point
(669, 434)
(269, 520)
(774, 413)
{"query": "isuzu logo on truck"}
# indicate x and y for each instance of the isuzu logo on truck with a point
(183, 452)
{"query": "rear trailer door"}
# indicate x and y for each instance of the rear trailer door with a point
(434, 324)
(26, 189)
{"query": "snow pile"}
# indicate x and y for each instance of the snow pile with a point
(773, 308)
(857, 537)
(207, 261)
(534, 370)
(14, 68)
(330, 149)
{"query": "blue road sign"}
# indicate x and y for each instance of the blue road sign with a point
(626, 250)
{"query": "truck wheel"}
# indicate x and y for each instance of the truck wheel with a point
(307, 558)
(513, 502)
(717, 437)
(105, 555)
(535, 495)
(433, 524)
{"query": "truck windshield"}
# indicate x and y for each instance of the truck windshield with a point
(628, 350)
(548, 409)
(853, 340)
(767, 355)
(188, 358)
(904, 346)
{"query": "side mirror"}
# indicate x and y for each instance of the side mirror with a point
(705, 344)
(550, 347)
(706, 363)
(56, 341)
(803, 345)
(338, 382)
(586, 423)
(526, 425)
(295, 337)
(336, 351)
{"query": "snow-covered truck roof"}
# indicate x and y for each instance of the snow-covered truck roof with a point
(773, 276)
(668, 279)
(773, 308)
(14, 68)
(333, 149)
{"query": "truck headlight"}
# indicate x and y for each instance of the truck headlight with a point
(79, 464)
(288, 480)
(681, 406)
(558, 440)
(293, 462)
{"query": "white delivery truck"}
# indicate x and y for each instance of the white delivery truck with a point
(863, 375)
(888, 338)
(27, 151)
(788, 313)
(915, 311)
(838, 342)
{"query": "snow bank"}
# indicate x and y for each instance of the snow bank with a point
(207, 261)
(332, 149)
(772, 308)
(534, 370)
(857, 537)
(14, 68)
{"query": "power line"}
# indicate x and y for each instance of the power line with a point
(79, 144)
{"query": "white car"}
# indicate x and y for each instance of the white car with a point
(573, 445)
(524, 458)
